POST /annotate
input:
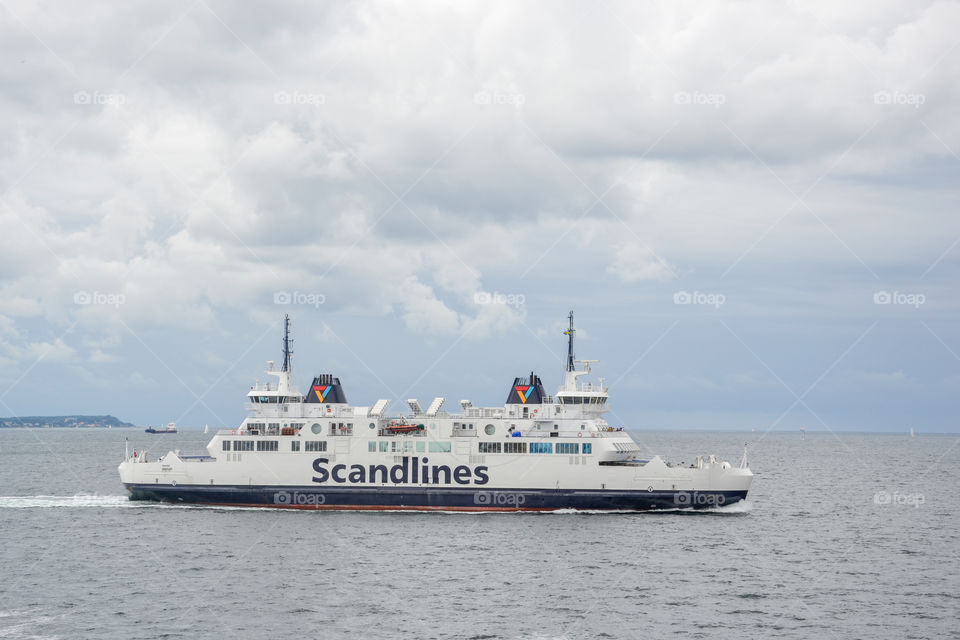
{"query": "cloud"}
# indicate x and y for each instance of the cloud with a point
(398, 164)
(635, 262)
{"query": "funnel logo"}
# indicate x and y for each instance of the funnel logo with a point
(524, 392)
(322, 392)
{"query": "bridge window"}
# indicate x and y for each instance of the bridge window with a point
(439, 447)
(226, 445)
(266, 445)
(489, 447)
(294, 445)
(587, 448)
(541, 447)
(372, 446)
(315, 445)
(568, 447)
(243, 445)
(383, 446)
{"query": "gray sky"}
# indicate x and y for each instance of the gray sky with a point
(751, 207)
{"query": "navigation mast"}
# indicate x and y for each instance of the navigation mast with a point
(287, 353)
(570, 333)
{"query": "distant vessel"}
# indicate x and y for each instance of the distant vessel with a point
(535, 452)
(206, 428)
(170, 428)
(803, 433)
(911, 432)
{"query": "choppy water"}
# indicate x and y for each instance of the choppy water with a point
(849, 537)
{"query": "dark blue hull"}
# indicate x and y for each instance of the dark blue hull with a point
(431, 498)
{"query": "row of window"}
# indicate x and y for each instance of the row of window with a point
(581, 400)
(406, 446)
(274, 399)
(565, 448)
(309, 445)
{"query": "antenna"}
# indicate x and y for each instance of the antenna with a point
(287, 353)
(570, 333)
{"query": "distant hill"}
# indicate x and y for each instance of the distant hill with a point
(83, 422)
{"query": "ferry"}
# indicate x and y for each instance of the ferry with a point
(535, 452)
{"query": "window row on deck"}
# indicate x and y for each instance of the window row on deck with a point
(408, 446)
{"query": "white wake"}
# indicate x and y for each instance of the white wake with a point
(81, 500)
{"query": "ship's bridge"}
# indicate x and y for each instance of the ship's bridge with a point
(586, 396)
(281, 392)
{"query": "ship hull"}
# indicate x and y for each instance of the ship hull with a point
(431, 499)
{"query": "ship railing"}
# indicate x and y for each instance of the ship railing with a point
(385, 432)
(568, 433)
(270, 431)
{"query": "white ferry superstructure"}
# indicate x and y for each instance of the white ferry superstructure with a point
(536, 452)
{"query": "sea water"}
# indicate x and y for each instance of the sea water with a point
(843, 536)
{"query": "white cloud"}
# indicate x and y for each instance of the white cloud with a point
(634, 262)
(391, 192)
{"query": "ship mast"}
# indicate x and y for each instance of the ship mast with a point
(570, 333)
(287, 353)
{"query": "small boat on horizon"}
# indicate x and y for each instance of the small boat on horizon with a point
(170, 428)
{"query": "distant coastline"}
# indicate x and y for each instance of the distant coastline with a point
(72, 422)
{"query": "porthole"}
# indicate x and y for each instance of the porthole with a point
(316, 428)
(433, 425)
(489, 429)
(373, 425)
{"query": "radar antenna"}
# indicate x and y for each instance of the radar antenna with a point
(570, 333)
(287, 353)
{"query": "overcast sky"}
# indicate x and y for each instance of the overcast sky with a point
(751, 207)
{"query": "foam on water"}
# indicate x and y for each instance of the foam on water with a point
(81, 500)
